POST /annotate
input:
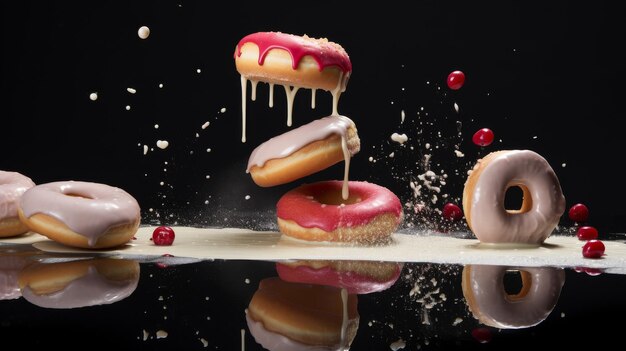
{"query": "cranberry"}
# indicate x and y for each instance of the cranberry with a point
(456, 79)
(579, 213)
(483, 137)
(452, 212)
(482, 335)
(593, 249)
(587, 233)
(163, 236)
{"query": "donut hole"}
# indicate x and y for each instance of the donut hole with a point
(516, 284)
(334, 198)
(517, 199)
(79, 195)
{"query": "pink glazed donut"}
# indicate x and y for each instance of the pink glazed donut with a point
(483, 288)
(543, 202)
(81, 214)
(12, 186)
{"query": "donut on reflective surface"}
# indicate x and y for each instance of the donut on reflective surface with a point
(81, 214)
(486, 297)
(79, 283)
(357, 277)
(317, 212)
(286, 316)
(484, 196)
(12, 186)
(294, 62)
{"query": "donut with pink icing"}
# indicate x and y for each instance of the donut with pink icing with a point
(81, 214)
(12, 186)
(294, 62)
(79, 283)
(484, 194)
(317, 212)
(483, 288)
(305, 150)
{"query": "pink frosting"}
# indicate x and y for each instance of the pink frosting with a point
(89, 290)
(324, 52)
(96, 209)
(301, 205)
(12, 186)
(287, 143)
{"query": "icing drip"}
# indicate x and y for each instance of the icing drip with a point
(253, 84)
(291, 94)
(345, 193)
(313, 91)
(271, 94)
(244, 85)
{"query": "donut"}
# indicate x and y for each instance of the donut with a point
(357, 277)
(305, 150)
(291, 61)
(79, 283)
(12, 186)
(293, 316)
(484, 193)
(81, 214)
(317, 212)
(483, 288)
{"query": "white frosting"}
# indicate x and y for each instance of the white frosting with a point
(12, 186)
(89, 290)
(492, 223)
(494, 307)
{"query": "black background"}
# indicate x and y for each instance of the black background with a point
(550, 70)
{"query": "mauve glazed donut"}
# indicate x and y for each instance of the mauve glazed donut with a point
(483, 288)
(81, 214)
(484, 194)
(317, 212)
(294, 62)
(12, 186)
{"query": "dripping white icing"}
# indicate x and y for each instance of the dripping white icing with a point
(291, 94)
(244, 85)
(271, 94)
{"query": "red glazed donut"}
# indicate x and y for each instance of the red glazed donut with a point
(294, 62)
(317, 212)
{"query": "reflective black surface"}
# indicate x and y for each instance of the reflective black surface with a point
(205, 303)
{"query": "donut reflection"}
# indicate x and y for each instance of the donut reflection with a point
(12, 261)
(79, 283)
(312, 305)
(490, 303)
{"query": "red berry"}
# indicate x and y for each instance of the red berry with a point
(587, 233)
(456, 79)
(483, 137)
(482, 335)
(451, 212)
(163, 236)
(579, 213)
(593, 249)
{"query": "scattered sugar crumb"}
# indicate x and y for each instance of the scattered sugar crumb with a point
(93, 96)
(161, 183)
(247, 281)
(205, 125)
(535, 137)
(459, 153)
(402, 116)
(399, 138)
(392, 154)
(145, 335)
(397, 345)
(427, 145)
(208, 150)
(199, 70)
(156, 126)
(204, 342)
(562, 314)
(127, 107)
(456, 107)
(223, 109)
(161, 334)
(161, 85)
(247, 197)
(143, 32)
(206, 202)
(145, 149)
(131, 90)
(456, 321)
(371, 159)
(162, 144)
(208, 176)
(563, 164)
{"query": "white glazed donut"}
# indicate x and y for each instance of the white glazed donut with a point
(12, 186)
(81, 214)
(485, 189)
(483, 288)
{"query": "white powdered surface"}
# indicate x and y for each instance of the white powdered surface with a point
(244, 244)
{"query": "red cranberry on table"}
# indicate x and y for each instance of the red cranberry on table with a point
(593, 249)
(483, 137)
(578, 213)
(456, 79)
(587, 233)
(163, 236)
(452, 212)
